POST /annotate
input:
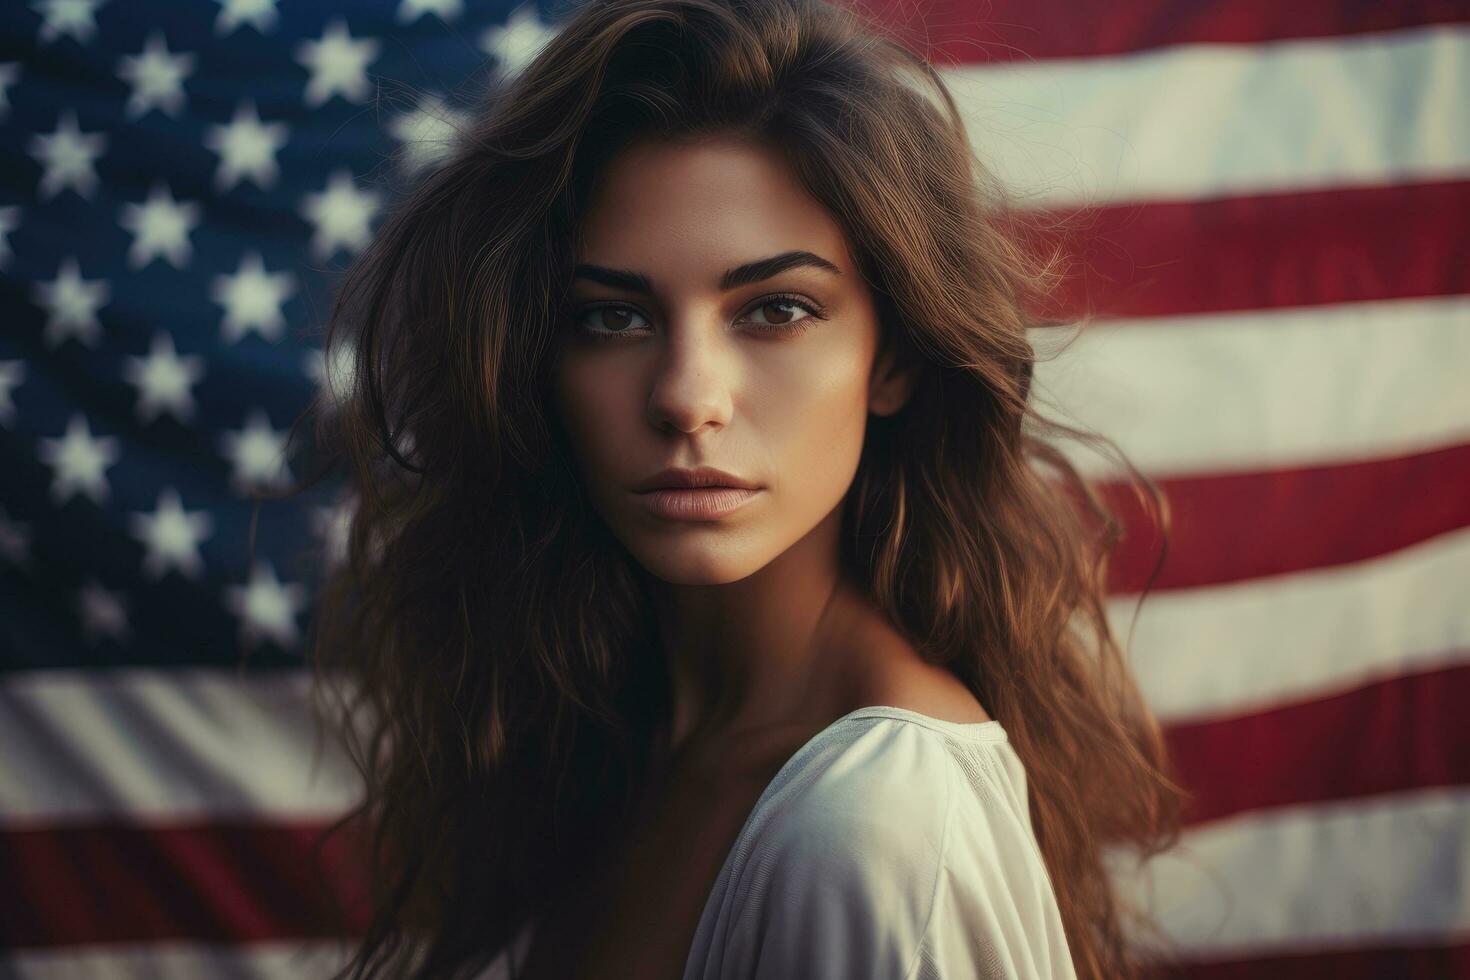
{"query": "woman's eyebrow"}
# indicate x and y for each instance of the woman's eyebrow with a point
(637, 282)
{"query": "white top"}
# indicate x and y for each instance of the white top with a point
(891, 846)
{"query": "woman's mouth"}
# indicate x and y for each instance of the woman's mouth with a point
(695, 503)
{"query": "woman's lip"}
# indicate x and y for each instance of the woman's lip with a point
(695, 503)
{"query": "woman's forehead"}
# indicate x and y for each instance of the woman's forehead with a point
(737, 197)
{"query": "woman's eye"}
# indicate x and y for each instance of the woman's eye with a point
(787, 317)
(774, 314)
(611, 319)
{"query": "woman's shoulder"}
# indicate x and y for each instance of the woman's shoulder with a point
(883, 779)
(849, 864)
(869, 777)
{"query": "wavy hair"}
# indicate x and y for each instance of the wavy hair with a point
(486, 647)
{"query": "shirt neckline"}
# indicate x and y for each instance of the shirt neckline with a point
(985, 731)
(975, 731)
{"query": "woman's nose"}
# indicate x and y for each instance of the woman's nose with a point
(692, 380)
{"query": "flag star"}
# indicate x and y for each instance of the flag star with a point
(160, 227)
(338, 65)
(163, 380)
(15, 540)
(76, 18)
(314, 363)
(71, 303)
(156, 76)
(171, 536)
(446, 10)
(337, 370)
(79, 460)
(427, 132)
(260, 14)
(247, 148)
(103, 612)
(342, 215)
(266, 606)
(257, 454)
(333, 524)
(9, 72)
(252, 299)
(12, 373)
(68, 157)
(9, 221)
(516, 42)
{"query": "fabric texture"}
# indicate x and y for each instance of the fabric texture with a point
(891, 845)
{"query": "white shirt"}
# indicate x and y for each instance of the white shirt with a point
(891, 846)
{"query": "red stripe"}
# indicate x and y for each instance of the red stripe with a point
(1399, 962)
(964, 32)
(1305, 248)
(1399, 734)
(1234, 527)
(225, 882)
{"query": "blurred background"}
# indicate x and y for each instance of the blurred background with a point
(1269, 215)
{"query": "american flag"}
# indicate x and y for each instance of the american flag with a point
(1268, 212)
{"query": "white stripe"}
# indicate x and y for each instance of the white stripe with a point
(1208, 120)
(1265, 389)
(1248, 646)
(179, 961)
(165, 743)
(1340, 875)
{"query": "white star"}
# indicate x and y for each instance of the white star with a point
(9, 221)
(516, 42)
(15, 539)
(266, 607)
(247, 148)
(427, 132)
(260, 14)
(338, 373)
(338, 65)
(172, 535)
(74, 17)
(12, 373)
(157, 78)
(68, 156)
(333, 524)
(160, 228)
(79, 461)
(257, 454)
(252, 299)
(341, 214)
(71, 303)
(412, 10)
(9, 72)
(103, 612)
(163, 380)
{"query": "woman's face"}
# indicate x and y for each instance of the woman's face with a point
(665, 362)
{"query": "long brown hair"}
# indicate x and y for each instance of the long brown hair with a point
(487, 648)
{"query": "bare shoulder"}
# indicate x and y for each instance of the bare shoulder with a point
(895, 674)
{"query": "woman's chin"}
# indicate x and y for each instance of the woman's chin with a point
(695, 563)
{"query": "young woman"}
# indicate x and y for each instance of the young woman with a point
(714, 606)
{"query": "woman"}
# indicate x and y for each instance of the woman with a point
(709, 611)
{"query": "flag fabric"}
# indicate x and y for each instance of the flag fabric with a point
(1269, 218)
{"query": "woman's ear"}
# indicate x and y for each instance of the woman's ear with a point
(892, 381)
